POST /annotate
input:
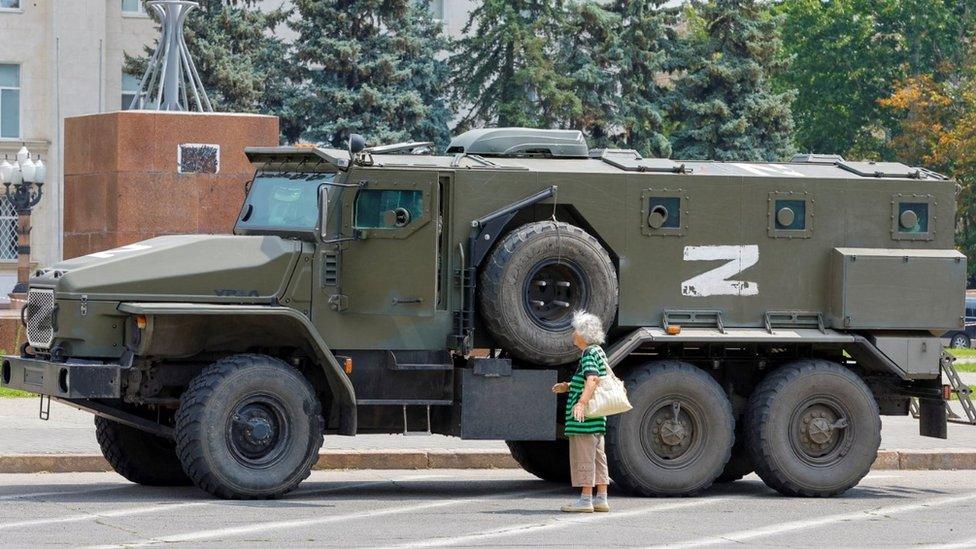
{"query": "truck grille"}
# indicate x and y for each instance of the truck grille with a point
(40, 318)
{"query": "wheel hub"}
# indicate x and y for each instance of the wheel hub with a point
(672, 432)
(255, 432)
(552, 292)
(820, 429)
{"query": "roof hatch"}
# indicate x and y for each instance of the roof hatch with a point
(631, 161)
(520, 142)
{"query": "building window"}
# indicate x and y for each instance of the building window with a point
(8, 230)
(130, 89)
(133, 6)
(10, 4)
(10, 101)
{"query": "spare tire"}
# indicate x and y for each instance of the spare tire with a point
(535, 279)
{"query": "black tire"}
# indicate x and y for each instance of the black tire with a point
(561, 254)
(740, 463)
(249, 427)
(546, 459)
(789, 425)
(960, 340)
(138, 456)
(641, 459)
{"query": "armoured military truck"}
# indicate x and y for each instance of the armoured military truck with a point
(762, 315)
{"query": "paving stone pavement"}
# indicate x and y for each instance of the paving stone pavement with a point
(71, 431)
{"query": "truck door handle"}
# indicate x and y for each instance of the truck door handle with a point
(407, 301)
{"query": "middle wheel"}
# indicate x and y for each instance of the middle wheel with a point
(678, 438)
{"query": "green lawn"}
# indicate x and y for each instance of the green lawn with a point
(962, 353)
(13, 393)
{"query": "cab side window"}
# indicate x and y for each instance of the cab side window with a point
(387, 208)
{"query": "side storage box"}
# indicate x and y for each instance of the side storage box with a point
(500, 403)
(888, 289)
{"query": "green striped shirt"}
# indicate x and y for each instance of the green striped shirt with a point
(592, 363)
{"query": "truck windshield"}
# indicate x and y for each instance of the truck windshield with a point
(283, 201)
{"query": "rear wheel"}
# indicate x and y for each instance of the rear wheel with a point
(533, 282)
(138, 456)
(678, 437)
(249, 426)
(813, 429)
(546, 459)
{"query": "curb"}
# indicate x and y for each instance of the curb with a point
(888, 460)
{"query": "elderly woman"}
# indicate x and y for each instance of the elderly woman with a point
(588, 462)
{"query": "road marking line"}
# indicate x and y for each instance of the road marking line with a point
(262, 527)
(61, 493)
(782, 528)
(107, 514)
(567, 520)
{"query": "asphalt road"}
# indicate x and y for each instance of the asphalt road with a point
(444, 508)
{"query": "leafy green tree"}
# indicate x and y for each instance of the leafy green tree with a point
(241, 63)
(591, 57)
(369, 67)
(723, 98)
(645, 45)
(507, 69)
(846, 55)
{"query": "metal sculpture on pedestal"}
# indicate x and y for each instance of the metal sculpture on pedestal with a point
(171, 81)
(23, 183)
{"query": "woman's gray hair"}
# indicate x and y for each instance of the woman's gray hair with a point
(589, 327)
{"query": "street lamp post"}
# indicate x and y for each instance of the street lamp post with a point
(23, 181)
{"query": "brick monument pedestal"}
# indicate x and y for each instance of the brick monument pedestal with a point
(133, 175)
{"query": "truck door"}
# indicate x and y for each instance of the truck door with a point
(391, 269)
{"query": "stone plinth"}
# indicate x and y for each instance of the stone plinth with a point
(123, 179)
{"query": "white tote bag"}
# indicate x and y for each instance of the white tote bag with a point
(609, 398)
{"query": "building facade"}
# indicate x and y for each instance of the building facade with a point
(63, 58)
(58, 58)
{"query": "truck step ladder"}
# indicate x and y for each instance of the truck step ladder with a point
(409, 433)
(960, 389)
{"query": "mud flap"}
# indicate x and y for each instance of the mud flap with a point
(933, 419)
(499, 403)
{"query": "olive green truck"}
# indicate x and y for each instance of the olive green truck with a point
(763, 316)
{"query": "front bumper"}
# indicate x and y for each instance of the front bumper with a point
(69, 380)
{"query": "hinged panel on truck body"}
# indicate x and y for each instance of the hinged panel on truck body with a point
(890, 289)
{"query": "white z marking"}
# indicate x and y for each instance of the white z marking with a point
(716, 281)
(112, 253)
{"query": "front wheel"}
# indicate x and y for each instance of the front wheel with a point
(138, 456)
(248, 427)
(677, 438)
(813, 429)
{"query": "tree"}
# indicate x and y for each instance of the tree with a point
(369, 67)
(937, 128)
(645, 43)
(847, 54)
(723, 98)
(507, 71)
(591, 57)
(241, 63)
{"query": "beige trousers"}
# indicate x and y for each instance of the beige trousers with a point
(587, 461)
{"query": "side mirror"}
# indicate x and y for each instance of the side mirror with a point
(323, 211)
(356, 144)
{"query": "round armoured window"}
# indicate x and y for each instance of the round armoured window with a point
(658, 217)
(908, 219)
(785, 216)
